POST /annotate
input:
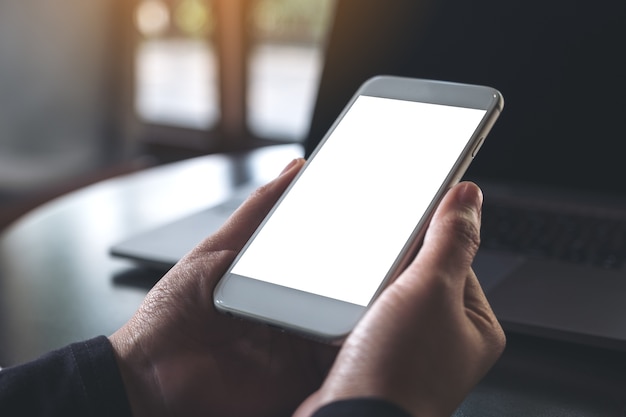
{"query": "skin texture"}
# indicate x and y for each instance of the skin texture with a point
(424, 344)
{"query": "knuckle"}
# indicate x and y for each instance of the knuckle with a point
(466, 231)
(259, 193)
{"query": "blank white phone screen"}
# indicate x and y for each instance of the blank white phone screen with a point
(344, 222)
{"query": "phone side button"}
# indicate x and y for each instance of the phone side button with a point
(477, 147)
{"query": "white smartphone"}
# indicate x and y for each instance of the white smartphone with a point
(355, 215)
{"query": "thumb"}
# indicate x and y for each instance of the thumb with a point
(453, 234)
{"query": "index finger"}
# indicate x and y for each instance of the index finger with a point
(242, 223)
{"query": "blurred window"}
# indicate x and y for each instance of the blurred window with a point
(286, 54)
(183, 45)
(175, 68)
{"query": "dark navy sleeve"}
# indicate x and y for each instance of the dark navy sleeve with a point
(81, 379)
(361, 407)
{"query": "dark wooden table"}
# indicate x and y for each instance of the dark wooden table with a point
(58, 284)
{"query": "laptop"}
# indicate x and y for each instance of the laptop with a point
(163, 246)
(553, 170)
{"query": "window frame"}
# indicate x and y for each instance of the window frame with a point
(231, 132)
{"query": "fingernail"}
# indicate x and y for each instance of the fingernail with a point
(472, 196)
(289, 166)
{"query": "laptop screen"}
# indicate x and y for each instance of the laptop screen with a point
(559, 65)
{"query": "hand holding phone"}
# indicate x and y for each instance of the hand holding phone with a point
(422, 345)
(355, 216)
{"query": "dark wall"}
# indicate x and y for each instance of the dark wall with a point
(558, 63)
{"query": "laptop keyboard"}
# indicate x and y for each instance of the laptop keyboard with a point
(592, 240)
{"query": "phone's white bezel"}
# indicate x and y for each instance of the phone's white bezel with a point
(328, 319)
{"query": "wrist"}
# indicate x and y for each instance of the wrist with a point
(138, 375)
(362, 406)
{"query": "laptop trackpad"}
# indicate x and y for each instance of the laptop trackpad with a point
(565, 301)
